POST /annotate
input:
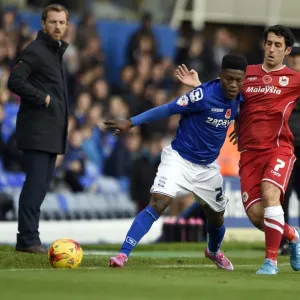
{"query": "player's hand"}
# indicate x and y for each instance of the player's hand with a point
(188, 77)
(47, 100)
(233, 137)
(121, 126)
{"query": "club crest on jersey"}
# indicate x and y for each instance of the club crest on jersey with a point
(283, 81)
(245, 196)
(183, 101)
(228, 113)
(267, 79)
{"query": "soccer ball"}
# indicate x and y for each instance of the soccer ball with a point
(65, 253)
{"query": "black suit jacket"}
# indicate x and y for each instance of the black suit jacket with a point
(39, 71)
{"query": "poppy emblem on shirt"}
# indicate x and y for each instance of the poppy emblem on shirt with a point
(267, 79)
(228, 113)
(283, 81)
(183, 101)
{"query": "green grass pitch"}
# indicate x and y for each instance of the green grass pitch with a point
(158, 271)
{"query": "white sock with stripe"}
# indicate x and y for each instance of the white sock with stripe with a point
(274, 226)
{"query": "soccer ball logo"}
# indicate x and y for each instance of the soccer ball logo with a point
(65, 253)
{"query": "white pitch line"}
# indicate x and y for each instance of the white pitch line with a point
(185, 266)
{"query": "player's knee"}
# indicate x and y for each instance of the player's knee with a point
(256, 215)
(160, 202)
(213, 217)
(270, 194)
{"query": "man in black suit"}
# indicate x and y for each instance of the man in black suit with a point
(39, 79)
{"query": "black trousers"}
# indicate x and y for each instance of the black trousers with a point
(294, 184)
(39, 168)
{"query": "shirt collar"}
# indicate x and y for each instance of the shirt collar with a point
(60, 46)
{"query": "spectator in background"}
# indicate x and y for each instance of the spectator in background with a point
(91, 53)
(71, 57)
(199, 57)
(144, 169)
(9, 22)
(85, 77)
(183, 41)
(83, 105)
(118, 108)
(143, 68)
(142, 42)
(92, 137)
(74, 161)
(127, 75)
(101, 92)
(86, 28)
(224, 43)
(119, 163)
(160, 126)
(158, 76)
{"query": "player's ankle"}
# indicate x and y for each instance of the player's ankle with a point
(273, 261)
(214, 253)
(296, 237)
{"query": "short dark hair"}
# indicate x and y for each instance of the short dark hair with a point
(283, 31)
(295, 50)
(234, 61)
(54, 7)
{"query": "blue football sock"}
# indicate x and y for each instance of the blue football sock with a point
(140, 226)
(215, 237)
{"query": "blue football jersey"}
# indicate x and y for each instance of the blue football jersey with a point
(205, 117)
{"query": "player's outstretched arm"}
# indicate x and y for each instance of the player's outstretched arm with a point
(122, 126)
(188, 77)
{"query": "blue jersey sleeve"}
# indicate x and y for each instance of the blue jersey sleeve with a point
(191, 102)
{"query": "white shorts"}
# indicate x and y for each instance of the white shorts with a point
(176, 176)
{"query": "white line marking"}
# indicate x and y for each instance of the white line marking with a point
(184, 266)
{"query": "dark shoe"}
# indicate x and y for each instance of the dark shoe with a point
(284, 249)
(35, 249)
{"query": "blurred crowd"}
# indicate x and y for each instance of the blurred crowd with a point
(146, 81)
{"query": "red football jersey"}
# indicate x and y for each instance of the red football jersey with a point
(269, 98)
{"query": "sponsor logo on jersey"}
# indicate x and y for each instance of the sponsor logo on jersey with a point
(217, 109)
(196, 95)
(265, 90)
(252, 78)
(228, 113)
(183, 101)
(245, 196)
(267, 79)
(283, 81)
(219, 122)
(275, 173)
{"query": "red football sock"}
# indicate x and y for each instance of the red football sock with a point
(290, 233)
(273, 225)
